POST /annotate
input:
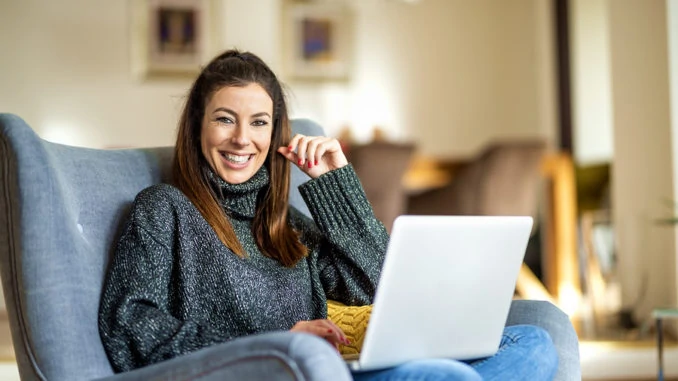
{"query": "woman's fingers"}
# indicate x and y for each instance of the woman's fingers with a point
(323, 328)
(302, 148)
(340, 332)
(332, 330)
(288, 154)
(315, 155)
(295, 140)
(311, 148)
(321, 149)
(306, 148)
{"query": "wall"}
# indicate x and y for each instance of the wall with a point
(672, 20)
(252, 25)
(591, 87)
(450, 74)
(65, 70)
(642, 172)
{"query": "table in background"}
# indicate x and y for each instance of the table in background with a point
(660, 314)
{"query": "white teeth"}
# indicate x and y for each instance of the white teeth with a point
(236, 158)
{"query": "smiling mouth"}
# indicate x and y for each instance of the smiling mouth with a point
(236, 159)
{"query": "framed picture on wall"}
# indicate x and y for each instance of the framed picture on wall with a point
(318, 41)
(169, 37)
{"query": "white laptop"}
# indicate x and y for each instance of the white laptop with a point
(445, 289)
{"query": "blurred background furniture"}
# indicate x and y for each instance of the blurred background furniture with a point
(660, 314)
(504, 179)
(425, 173)
(381, 165)
(510, 177)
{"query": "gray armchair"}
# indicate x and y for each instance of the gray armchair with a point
(61, 209)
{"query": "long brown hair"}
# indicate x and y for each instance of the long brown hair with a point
(274, 236)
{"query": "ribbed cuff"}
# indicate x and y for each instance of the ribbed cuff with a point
(336, 198)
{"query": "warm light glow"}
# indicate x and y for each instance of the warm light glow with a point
(373, 105)
(568, 298)
(62, 133)
(530, 287)
(592, 351)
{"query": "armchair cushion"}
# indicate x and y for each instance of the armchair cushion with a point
(278, 355)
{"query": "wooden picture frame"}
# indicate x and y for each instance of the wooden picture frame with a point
(318, 41)
(169, 38)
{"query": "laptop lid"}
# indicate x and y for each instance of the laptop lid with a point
(445, 288)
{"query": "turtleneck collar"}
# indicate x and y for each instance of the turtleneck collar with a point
(239, 199)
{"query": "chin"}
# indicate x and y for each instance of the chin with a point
(232, 178)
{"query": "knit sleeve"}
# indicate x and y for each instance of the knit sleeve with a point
(353, 240)
(136, 321)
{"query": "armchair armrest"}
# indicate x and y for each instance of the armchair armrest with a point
(273, 356)
(557, 324)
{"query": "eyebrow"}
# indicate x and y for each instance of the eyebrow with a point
(224, 109)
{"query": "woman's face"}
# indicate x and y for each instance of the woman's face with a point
(236, 131)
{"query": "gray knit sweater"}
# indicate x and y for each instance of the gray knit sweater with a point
(173, 287)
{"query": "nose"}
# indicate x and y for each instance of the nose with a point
(241, 136)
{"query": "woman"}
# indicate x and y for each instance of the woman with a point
(221, 255)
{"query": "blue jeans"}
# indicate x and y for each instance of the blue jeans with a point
(525, 353)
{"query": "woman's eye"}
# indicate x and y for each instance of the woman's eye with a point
(259, 123)
(225, 120)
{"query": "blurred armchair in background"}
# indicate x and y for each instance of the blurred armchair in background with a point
(509, 177)
(381, 165)
(503, 180)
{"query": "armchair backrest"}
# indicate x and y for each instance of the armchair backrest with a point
(380, 165)
(503, 180)
(61, 209)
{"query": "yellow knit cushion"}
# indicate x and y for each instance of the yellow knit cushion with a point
(353, 321)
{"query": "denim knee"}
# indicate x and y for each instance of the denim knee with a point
(526, 352)
(542, 352)
(423, 370)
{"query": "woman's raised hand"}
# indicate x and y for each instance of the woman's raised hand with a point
(323, 328)
(315, 155)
